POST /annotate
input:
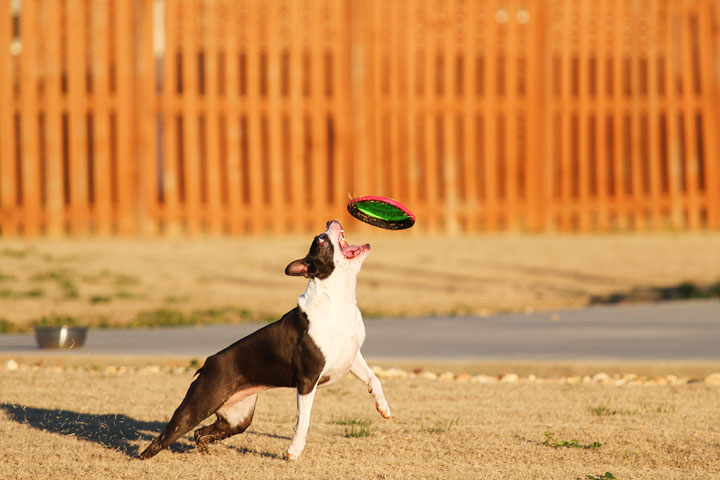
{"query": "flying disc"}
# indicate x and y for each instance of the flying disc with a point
(381, 212)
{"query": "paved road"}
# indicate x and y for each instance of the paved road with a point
(682, 331)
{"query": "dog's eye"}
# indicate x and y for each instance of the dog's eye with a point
(322, 238)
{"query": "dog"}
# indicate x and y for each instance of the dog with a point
(315, 344)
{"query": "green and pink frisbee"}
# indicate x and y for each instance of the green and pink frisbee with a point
(381, 212)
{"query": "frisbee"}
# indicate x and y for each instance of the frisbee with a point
(381, 212)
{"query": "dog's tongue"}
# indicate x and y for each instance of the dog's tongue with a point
(350, 251)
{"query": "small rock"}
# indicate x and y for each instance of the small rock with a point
(672, 379)
(602, 378)
(510, 378)
(150, 370)
(463, 378)
(394, 373)
(532, 378)
(448, 376)
(10, 365)
(178, 370)
(713, 379)
(429, 375)
(660, 381)
(483, 379)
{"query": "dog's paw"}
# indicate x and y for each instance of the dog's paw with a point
(291, 457)
(384, 409)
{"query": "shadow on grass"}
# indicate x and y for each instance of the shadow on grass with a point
(116, 432)
(681, 291)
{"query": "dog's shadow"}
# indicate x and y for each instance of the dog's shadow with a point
(117, 432)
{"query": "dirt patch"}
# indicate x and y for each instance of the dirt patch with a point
(64, 423)
(109, 282)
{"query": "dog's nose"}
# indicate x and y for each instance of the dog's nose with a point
(329, 224)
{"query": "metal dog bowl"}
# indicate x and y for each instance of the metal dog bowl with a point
(60, 337)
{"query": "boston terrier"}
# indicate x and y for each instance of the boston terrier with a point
(314, 344)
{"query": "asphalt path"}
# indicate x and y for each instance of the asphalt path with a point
(677, 331)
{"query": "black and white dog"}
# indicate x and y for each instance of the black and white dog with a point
(314, 344)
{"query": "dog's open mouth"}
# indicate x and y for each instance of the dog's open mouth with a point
(350, 251)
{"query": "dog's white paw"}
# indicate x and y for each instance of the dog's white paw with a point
(290, 457)
(384, 409)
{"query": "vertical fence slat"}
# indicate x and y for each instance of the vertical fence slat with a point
(232, 117)
(7, 141)
(54, 184)
(7, 124)
(688, 98)
(490, 119)
(536, 110)
(100, 63)
(170, 115)
(253, 117)
(126, 114)
(190, 112)
(672, 141)
(29, 119)
(653, 56)
(583, 117)
(273, 119)
(147, 124)
(297, 171)
(77, 117)
(710, 89)
(212, 117)
(469, 173)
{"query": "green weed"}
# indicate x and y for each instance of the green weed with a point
(441, 426)
(63, 280)
(605, 410)
(100, 299)
(13, 295)
(54, 320)
(553, 442)
(604, 476)
(6, 326)
(356, 427)
(124, 280)
(4, 277)
(15, 252)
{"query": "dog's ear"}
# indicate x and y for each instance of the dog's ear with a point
(297, 268)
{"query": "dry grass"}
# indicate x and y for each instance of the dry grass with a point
(90, 425)
(108, 282)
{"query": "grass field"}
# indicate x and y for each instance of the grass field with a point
(78, 423)
(112, 282)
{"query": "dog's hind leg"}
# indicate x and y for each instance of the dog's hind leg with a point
(234, 417)
(202, 399)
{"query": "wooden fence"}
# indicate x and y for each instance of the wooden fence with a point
(225, 116)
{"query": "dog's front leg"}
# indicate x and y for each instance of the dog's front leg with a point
(304, 404)
(362, 371)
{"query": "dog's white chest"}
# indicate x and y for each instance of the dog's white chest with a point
(337, 329)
